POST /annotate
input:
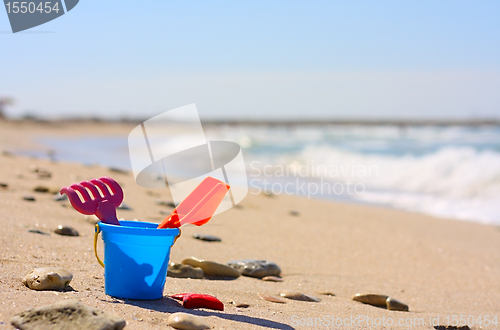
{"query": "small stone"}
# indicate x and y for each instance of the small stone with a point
(294, 213)
(153, 193)
(211, 268)
(48, 278)
(396, 305)
(125, 207)
(137, 317)
(4, 185)
(208, 238)
(60, 198)
(268, 194)
(66, 231)
(118, 170)
(36, 231)
(273, 299)
(41, 189)
(184, 271)
(298, 296)
(272, 279)
(240, 304)
(378, 300)
(452, 327)
(186, 321)
(70, 314)
(29, 198)
(41, 172)
(164, 203)
(326, 293)
(255, 268)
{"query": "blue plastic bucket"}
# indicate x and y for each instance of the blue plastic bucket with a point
(136, 256)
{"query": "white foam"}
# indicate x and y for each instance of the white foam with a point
(447, 172)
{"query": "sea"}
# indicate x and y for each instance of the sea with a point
(444, 171)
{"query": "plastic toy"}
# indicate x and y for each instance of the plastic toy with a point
(199, 206)
(197, 300)
(136, 256)
(103, 204)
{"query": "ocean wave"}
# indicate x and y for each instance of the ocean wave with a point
(458, 182)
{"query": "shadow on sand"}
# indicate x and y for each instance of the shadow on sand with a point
(168, 305)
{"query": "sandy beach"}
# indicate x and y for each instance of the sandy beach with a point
(439, 267)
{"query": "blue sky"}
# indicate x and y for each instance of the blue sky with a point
(258, 59)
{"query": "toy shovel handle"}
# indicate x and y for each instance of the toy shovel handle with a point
(197, 208)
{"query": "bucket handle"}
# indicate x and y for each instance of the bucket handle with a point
(97, 231)
(96, 234)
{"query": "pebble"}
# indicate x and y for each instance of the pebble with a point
(66, 231)
(326, 293)
(255, 268)
(41, 172)
(451, 327)
(298, 296)
(41, 189)
(240, 304)
(208, 238)
(272, 279)
(36, 231)
(211, 268)
(60, 198)
(273, 299)
(4, 185)
(44, 174)
(153, 193)
(396, 305)
(294, 213)
(117, 170)
(378, 300)
(124, 206)
(67, 314)
(48, 278)
(29, 198)
(184, 271)
(44, 189)
(186, 321)
(164, 203)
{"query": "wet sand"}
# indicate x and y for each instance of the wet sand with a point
(439, 267)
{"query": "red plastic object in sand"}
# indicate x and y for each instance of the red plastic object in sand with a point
(199, 206)
(103, 206)
(196, 300)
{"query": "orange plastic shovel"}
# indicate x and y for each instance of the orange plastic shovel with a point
(199, 206)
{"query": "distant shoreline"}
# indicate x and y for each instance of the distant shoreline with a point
(359, 122)
(291, 123)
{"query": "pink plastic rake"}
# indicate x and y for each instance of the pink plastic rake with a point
(102, 203)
